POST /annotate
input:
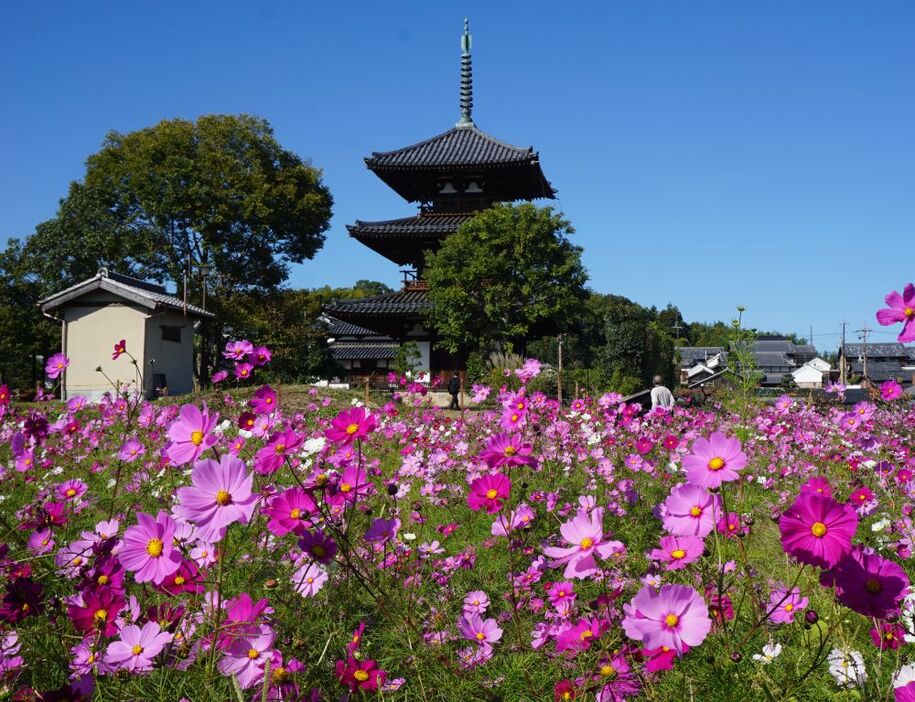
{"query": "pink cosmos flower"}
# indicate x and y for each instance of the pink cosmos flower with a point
(271, 457)
(352, 483)
(507, 450)
(901, 308)
(148, 548)
(137, 647)
(580, 636)
(191, 434)
(868, 584)
(585, 536)
(714, 461)
(70, 490)
(382, 530)
(264, 400)
(119, 348)
(219, 494)
(673, 617)
(690, 510)
(97, 612)
(817, 530)
(888, 636)
(360, 674)
(890, 390)
(476, 602)
(247, 655)
(480, 393)
(243, 371)
(238, 350)
(131, 450)
(290, 510)
(520, 518)
(349, 425)
(219, 376)
(489, 492)
(784, 604)
(309, 579)
(530, 369)
(678, 551)
(56, 365)
(483, 632)
(561, 594)
(260, 356)
(512, 419)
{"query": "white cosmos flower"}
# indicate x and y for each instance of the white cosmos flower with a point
(847, 667)
(769, 653)
(904, 676)
(313, 446)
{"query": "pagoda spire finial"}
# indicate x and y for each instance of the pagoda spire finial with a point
(466, 78)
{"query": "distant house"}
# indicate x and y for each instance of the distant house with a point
(99, 312)
(811, 375)
(776, 358)
(884, 362)
(360, 352)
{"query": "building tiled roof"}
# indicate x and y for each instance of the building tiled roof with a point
(353, 352)
(420, 226)
(876, 350)
(403, 303)
(773, 345)
(146, 294)
(772, 359)
(338, 328)
(458, 147)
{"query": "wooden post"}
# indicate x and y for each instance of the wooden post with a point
(463, 375)
(366, 392)
(559, 375)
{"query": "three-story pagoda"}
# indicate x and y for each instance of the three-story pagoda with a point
(451, 176)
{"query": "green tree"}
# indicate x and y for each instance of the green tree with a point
(218, 200)
(508, 274)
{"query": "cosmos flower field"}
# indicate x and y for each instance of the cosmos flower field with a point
(242, 547)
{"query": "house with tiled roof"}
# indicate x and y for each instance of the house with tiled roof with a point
(158, 329)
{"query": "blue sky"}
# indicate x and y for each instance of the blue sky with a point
(707, 153)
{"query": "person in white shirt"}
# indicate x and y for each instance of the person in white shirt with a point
(660, 396)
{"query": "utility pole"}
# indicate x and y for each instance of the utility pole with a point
(843, 363)
(863, 335)
(677, 327)
(559, 376)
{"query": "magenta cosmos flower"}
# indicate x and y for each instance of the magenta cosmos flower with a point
(676, 552)
(868, 583)
(238, 350)
(350, 425)
(191, 434)
(56, 365)
(291, 510)
(131, 450)
(149, 548)
(817, 530)
(506, 450)
(690, 510)
(483, 632)
(714, 461)
(585, 536)
(119, 348)
(264, 400)
(901, 308)
(489, 492)
(674, 617)
(219, 495)
(137, 647)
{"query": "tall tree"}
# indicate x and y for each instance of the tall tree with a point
(509, 273)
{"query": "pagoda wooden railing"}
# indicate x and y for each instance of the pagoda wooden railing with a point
(415, 285)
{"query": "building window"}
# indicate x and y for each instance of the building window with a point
(171, 334)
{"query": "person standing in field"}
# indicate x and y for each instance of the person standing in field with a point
(454, 387)
(661, 396)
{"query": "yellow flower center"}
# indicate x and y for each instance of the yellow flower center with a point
(345, 487)
(491, 494)
(671, 620)
(279, 448)
(566, 696)
(179, 580)
(818, 529)
(102, 580)
(909, 312)
(100, 615)
(789, 607)
(607, 670)
(695, 511)
(873, 586)
(717, 463)
(71, 492)
(91, 659)
(586, 634)
(318, 550)
(678, 553)
(352, 429)
(154, 547)
(587, 542)
(223, 497)
(480, 636)
(515, 417)
(510, 450)
(197, 438)
(77, 561)
(361, 675)
(296, 513)
(137, 649)
(253, 653)
(889, 636)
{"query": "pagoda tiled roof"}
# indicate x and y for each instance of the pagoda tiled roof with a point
(419, 226)
(404, 303)
(464, 146)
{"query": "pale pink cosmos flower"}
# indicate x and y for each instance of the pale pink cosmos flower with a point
(220, 494)
(476, 602)
(137, 647)
(690, 510)
(900, 308)
(309, 579)
(149, 548)
(675, 617)
(191, 434)
(247, 655)
(714, 461)
(585, 536)
(483, 632)
(131, 450)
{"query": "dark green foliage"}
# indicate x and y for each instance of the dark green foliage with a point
(507, 274)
